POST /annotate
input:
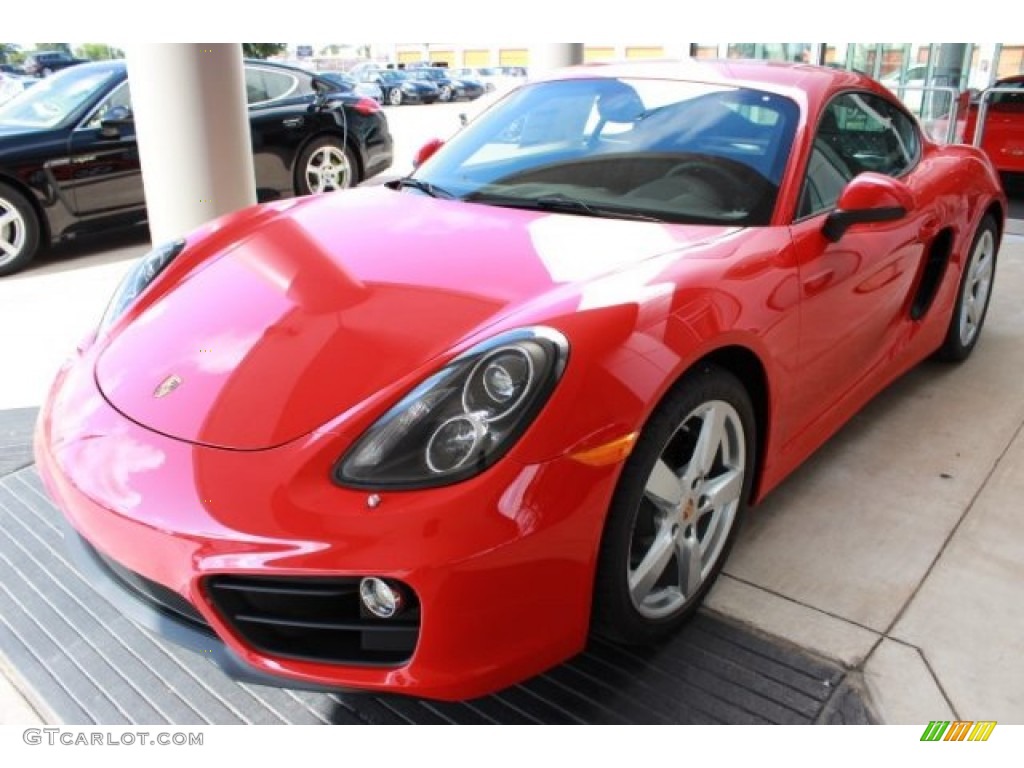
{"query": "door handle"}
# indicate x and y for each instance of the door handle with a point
(293, 122)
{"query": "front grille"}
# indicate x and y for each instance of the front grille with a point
(166, 601)
(314, 619)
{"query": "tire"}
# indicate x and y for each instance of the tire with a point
(19, 231)
(395, 97)
(669, 504)
(47, 71)
(973, 295)
(326, 165)
(447, 94)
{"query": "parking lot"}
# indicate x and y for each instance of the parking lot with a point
(895, 552)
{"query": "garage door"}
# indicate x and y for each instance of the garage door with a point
(514, 57)
(448, 57)
(476, 58)
(598, 54)
(645, 52)
(407, 57)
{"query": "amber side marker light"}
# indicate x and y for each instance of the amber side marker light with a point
(609, 453)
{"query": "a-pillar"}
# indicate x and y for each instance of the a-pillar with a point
(192, 125)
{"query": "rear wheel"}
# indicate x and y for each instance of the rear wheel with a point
(19, 231)
(395, 97)
(677, 508)
(973, 295)
(326, 165)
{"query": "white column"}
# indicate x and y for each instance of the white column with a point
(547, 56)
(193, 131)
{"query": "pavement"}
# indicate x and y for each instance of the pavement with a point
(891, 561)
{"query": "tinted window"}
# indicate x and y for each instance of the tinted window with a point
(857, 132)
(268, 85)
(674, 151)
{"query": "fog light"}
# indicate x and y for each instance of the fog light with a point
(378, 598)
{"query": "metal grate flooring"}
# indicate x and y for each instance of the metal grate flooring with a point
(88, 664)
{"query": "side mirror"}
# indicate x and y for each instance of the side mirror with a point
(115, 121)
(868, 198)
(426, 152)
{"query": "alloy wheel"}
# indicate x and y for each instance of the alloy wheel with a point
(687, 511)
(328, 169)
(977, 286)
(13, 232)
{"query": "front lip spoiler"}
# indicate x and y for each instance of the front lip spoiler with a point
(178, 631)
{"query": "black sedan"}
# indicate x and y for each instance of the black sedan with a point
(69, 163)
(451, 88)
(402, 87)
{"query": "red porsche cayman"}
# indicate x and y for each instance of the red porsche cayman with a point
(426, 438)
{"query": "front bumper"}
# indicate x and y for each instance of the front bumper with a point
(501, 565)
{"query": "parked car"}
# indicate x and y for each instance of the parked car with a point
(401, 87)
(449, 86)
(1003, 137)
(439, 431)
(11, 69)
(45, 63)
(69, 163)
(348, 84)
(492, 78)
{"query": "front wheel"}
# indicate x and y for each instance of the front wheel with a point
(326, 165)
(973, 295)
(19, 231)
(677, 508)
(395, 97)
(447, 94)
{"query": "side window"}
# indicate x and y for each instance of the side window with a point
(119, 97)
(857, 132)
(266, 85)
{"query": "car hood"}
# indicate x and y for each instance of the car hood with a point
(333, 299)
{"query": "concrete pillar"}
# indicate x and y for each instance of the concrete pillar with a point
(193, 131)
(948, 66)
(547, 56)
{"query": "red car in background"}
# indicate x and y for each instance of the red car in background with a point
(1003, 137)
(425, 437)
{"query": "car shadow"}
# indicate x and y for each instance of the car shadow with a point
(87, 251)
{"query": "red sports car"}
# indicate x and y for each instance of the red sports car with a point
(426, 438)
(1003, 137)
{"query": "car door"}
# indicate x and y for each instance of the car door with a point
(854, 292)
(281, 118)
(105, 174)
(1003, 138)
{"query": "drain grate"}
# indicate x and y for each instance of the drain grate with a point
(89, 664)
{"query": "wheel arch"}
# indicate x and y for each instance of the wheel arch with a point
(45, 232)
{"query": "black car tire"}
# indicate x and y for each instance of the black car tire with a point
(973, 295)
(328, 160)
(395, 97)
(676, 509)
(19, 231)
(447, 93)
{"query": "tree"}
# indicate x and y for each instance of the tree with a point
(98, 52)
(263, 50)
(6, 51)
(54, 47)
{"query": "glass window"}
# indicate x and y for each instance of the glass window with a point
(267, 85)
(857, 132)
(672, 151)
(120, 97)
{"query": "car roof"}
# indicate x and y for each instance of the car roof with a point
(795, 80)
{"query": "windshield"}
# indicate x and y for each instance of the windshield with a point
(54, 99)
(658, 149)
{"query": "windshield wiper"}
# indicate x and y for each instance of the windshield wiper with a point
(422, 186)
(562, 204)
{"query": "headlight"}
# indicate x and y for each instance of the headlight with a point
(462, 419)
(141, 275)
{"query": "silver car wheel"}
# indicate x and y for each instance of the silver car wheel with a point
(977, 286)
(328, 169)
(13, 232)
(688, 510)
